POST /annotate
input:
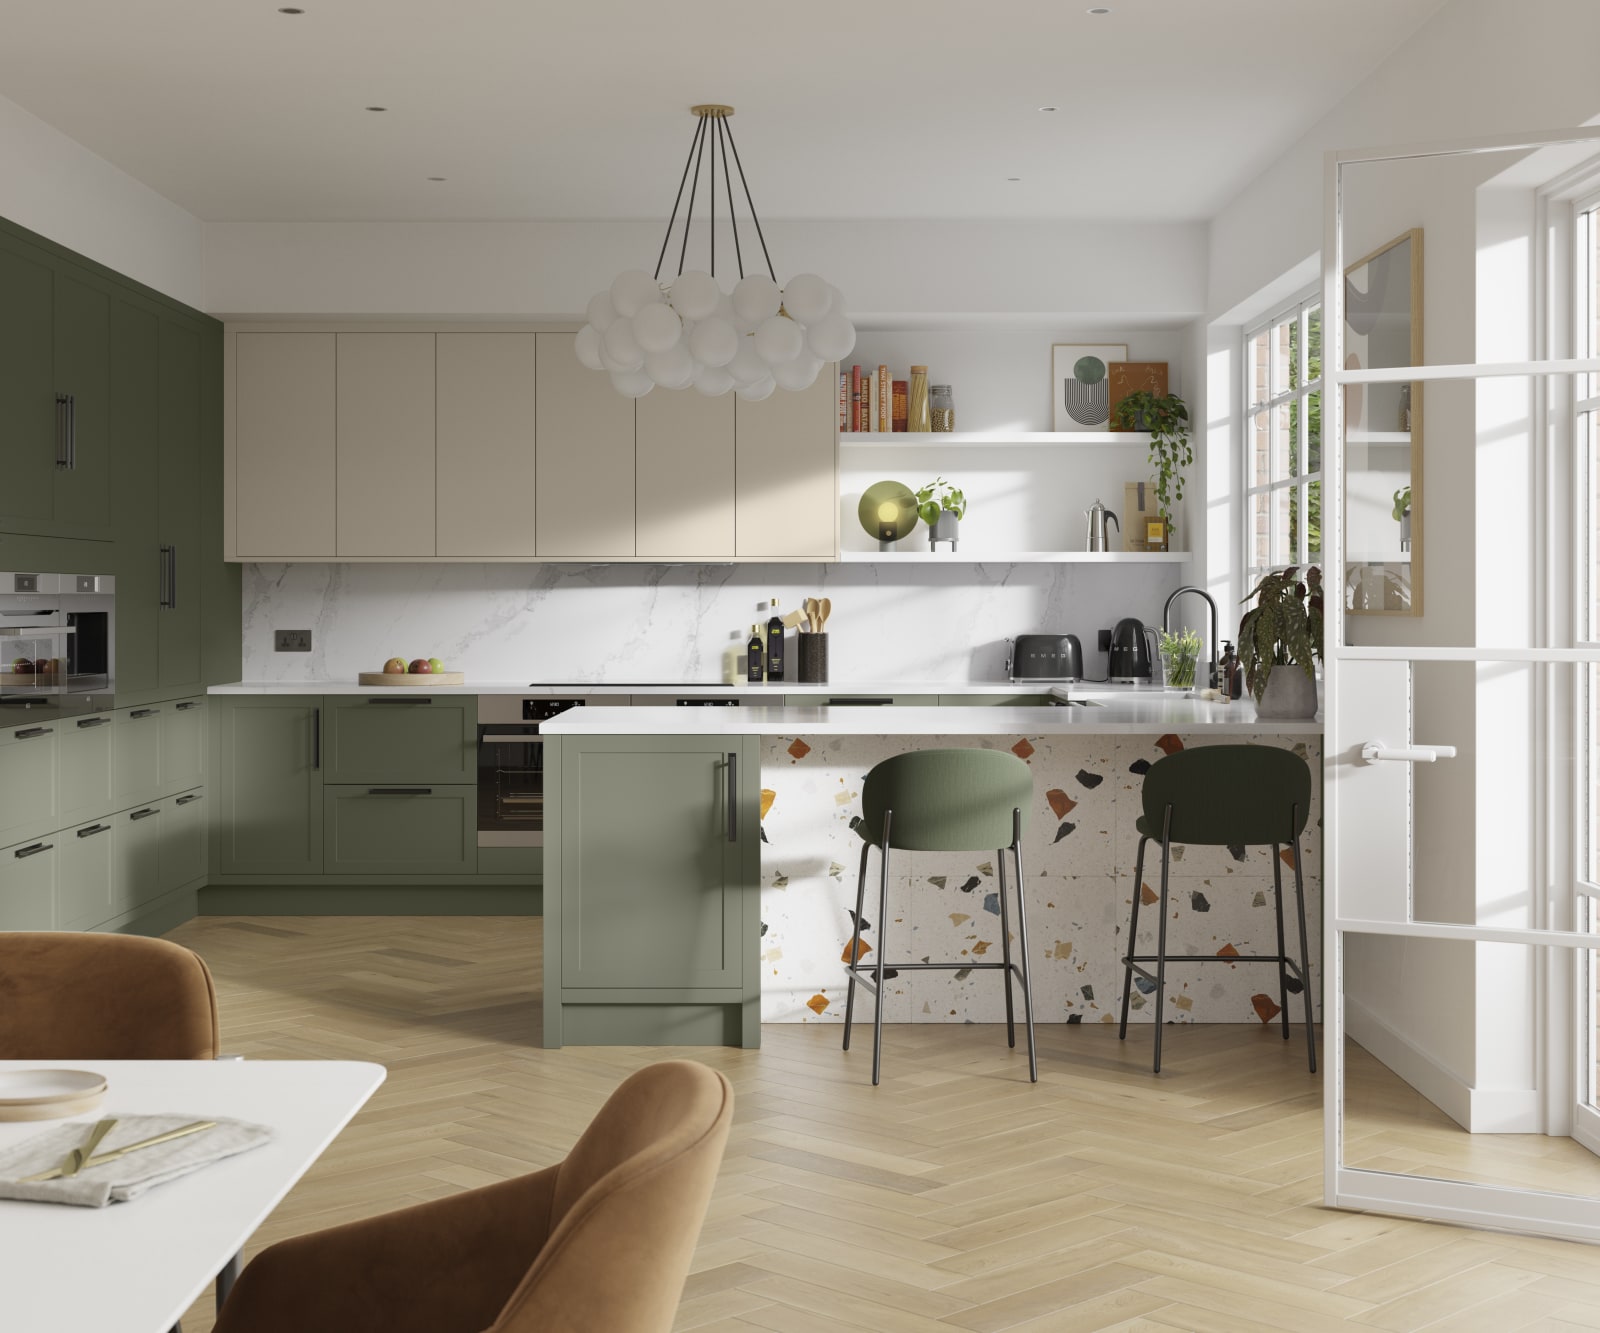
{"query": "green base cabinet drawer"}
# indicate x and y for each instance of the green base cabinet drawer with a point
(183, 840)
(89, 873)
(996, 700)
(138, 754)
(431, 740)
(399, 829)
(138, 846)
(28, 874)
(86, 776)
(28, 781)
(183, 745)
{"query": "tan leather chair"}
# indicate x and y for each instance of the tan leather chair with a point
(599, 1243)
(67, 996)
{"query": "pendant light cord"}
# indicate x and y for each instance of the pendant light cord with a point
(754, 217)
(694, 187)
(722, 138)
(727, 181)
(694, 142)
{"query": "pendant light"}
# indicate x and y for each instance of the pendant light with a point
(684, 331)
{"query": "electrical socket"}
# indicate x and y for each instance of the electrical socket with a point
(291, 641)
(1105, 641)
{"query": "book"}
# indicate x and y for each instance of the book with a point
(869, 400)
(897, 421)
(885, 401)
(855, 397)
(844, 401)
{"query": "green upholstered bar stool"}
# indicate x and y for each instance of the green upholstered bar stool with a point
(1224, 796)
(943, 801)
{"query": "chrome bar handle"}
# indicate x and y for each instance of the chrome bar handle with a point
(1378, 752)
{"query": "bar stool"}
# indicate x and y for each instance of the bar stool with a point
(943, 801)
(1224, 796)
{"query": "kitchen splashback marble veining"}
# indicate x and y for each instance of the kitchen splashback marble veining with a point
(635, 623)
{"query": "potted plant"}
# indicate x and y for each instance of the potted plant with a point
(1180, 653)
(1166, 417)
(942, 506)
(1402, 516)
(1283, 628)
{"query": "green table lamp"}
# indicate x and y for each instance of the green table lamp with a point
(888, 511)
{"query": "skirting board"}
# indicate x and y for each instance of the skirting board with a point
(370, 900)
(1477, 1110)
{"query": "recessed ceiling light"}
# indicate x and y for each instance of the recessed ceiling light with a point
(1099, 9)
(1013, 178)
(291, 10)
(377, 108)
(1049, 108)
(436, 178)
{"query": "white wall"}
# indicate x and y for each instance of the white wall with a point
(55, 186)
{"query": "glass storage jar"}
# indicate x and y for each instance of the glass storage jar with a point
(917, 414)
(941, 408)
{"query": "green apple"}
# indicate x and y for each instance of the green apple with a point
(435, 665)
(395, 666)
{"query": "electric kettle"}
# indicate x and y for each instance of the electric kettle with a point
(1130, 652)
(1098, 515)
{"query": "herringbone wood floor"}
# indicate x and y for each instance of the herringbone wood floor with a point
(956, 1196)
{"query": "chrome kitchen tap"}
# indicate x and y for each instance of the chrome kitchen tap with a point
(1211, 643)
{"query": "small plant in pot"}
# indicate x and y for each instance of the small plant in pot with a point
(1283, 629)
(1166, 417)
(942, 507)
(1402, 516)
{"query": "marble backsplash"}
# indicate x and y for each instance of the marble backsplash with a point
(615, 624)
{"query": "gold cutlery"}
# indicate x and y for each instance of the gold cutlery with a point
(73, 1162)
(197, 1127)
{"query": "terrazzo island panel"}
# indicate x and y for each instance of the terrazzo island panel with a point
(1078, 854)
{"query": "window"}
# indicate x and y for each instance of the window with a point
(1283, 440)
(1586, 434)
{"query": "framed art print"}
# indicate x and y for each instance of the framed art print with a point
(1080, 384)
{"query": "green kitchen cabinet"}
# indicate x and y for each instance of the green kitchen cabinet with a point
(82, 339)
(29, 756)
(90, 870)
(137, 836)
(28, 878)
(995, 700)
(860, 700)
(183, 745)
(412, 740)
(135, 436)
(179, 552)
(658, 849)
(182, 856)
(399, 830)
(29, 445)
(138, 754)
(267, 785)
(85, 773)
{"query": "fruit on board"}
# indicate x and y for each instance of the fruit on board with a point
(420, 667)
(435, 665)
(395, 666)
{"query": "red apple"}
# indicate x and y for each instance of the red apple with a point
(44, 666)
(395, 666)
(420, 667)
(22, 666)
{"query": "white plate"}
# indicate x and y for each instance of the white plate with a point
(39, 1094)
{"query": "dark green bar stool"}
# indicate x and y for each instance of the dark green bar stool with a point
(943, 801)
(1224, 796)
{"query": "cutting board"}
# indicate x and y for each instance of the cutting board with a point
(382, 678)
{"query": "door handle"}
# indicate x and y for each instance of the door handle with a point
(144, 814)
(165, 578)
(187, 705)
(61, 432)
(72, 431)
(34, 850)
(93, 829)
(189, 799)
(32, 733)
(402, 702)
(85, 723)
(1378, 752)
(316, 738)
(733, 797)
(144, 712)
(399, 791)
(172, 578)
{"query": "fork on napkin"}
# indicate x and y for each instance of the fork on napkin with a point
(126, 1176)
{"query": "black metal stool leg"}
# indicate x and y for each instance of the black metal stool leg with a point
(1305, 953)
(883, 944)
(855, 944)
(1161, 934)
(1005, 948)
(1283, 969)
(1133, 935)
(1022, 945)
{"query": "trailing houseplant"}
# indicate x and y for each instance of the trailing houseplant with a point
(942, 506)
(1283, 628)
(1166, 417)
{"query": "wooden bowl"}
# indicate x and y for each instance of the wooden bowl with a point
(383, 678)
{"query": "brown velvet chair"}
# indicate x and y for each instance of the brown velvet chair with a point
(599, 1243)
(66, 996)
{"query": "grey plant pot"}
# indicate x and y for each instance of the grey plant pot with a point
(946, 528)
(1289, 693)
(1405, 531)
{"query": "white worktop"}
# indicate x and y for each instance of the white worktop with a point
(1137, 714)
(665, 690)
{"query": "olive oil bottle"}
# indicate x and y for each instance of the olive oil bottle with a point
(775, 644)
(754, 656)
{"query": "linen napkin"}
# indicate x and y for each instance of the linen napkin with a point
(127, 1177)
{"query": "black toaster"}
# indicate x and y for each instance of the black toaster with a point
(1054, 657)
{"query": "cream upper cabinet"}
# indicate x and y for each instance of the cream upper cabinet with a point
(787, 473)
(283, 455)
(385, 445)
(584, 455)
(685, 476)
(486, 481)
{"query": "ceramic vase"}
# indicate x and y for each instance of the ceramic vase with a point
(1289, 693)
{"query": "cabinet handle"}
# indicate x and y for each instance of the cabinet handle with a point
(405, 701)
(733, 797)
(85, 723)
(61, 432)
(186, 706)
(144, 712)
(399, 791)
(72, 432)
(172, 578)
(190, 799)
(144, 814)
(93, 829)
(30, 733)
(316, 738)
(34, 850)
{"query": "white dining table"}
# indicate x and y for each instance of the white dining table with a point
(136, 1267)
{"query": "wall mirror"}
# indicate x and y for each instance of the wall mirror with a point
(1383, 432)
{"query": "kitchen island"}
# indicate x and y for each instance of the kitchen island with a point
(700, 867)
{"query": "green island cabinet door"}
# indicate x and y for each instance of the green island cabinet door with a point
(28, 876)
(28, 443)
(134, 481)
(409, 740)
(82, 365)
(657, 873)
(267, 785)
(179, 519)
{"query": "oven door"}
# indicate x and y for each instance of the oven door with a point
(510, 786)
(34, 663)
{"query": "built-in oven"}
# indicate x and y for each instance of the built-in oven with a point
(57, 641)
(511, 763)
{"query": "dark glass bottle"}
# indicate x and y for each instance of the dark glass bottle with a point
(775, 644)
(754, 656)
(1230, 674)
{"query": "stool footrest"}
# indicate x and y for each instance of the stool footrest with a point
(866, 973)
(1133, 960)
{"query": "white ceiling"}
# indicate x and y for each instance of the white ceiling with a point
(865, 108)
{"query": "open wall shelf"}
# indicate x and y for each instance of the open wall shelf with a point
(1022, 439)
(943, 557)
